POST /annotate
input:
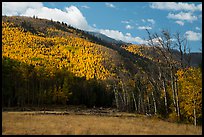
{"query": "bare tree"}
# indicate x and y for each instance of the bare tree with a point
(165, 44)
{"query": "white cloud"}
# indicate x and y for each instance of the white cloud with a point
(110, 5)
(71, 15)
(179, 22)
(120, 36)
(138, 40)
(128, 34)
(197, 28)
(86, 7)
(193, 36)
(176, 6)
(94, 25)
(125, 22)
(155, 42)
(183, 16)
(143, 20)
(199, 7)
(159, 41)
(17, 8)
(144, 27)
(151, 21)
(129, 27)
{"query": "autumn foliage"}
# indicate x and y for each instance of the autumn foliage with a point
(60, 65)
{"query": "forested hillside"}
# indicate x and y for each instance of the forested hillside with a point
(46, 62)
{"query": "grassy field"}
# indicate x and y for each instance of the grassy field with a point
(45, 124)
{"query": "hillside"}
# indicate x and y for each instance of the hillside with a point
(45, 35)
(46, 62)
(55, 47)
(107, 39)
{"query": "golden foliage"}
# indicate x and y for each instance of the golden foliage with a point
(190, 91)
(77, 55)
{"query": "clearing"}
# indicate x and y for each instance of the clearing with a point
(90, 122)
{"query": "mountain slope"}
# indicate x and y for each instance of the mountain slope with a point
(46, 28)
(107, 39)
(52, 54)
(55, 63)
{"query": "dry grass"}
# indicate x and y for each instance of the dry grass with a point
(22, 123)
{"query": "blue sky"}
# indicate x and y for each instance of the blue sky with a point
(125, 21)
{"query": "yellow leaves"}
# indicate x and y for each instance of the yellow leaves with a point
(180, 73)
(190, 90)
(80, 56)
(190, 77)
(135, 49)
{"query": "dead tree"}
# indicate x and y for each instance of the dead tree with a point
(165, 45)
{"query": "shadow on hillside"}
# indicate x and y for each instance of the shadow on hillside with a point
(27, 85)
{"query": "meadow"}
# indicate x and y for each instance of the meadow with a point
(61, 123)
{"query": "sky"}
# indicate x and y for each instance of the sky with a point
(124, 21)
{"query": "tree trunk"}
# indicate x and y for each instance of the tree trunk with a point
(116, 98)
(124, 97)
(143, 105)
(135, 103)
(148, 105)
(153, 98)
(139, 99)
(194, 113)
(177, 100)
(139, 103)
(155, 105)
(165, 96)
(121, 104)
(173, 92)
(164, 89)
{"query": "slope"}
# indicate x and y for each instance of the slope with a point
(46, 50)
